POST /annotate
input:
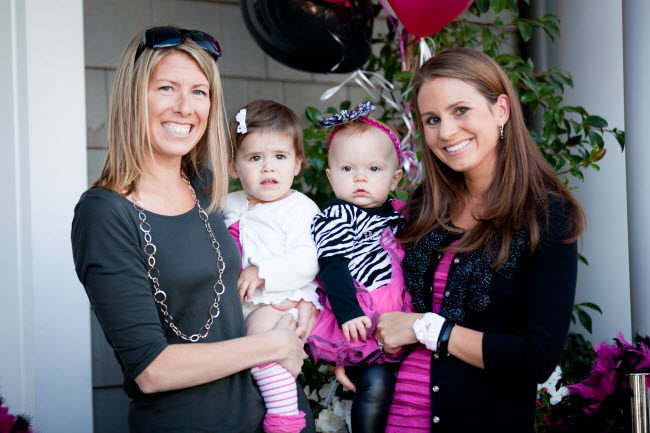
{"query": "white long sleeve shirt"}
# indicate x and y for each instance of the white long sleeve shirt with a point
(276, 237)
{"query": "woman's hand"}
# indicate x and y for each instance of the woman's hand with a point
(395, 330)
(356, 328)
(292, 353)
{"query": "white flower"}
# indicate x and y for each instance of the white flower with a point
(556, 396)
(343, 409)
(329, 422)
(551, 384)
(322, 393)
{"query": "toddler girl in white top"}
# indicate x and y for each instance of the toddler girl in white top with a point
(271, 223)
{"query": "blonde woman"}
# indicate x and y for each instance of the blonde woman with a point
(153, 253)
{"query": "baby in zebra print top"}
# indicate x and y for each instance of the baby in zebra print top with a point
(360, 262)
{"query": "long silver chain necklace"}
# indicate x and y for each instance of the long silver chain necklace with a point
(153, 273)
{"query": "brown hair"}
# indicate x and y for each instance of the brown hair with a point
(523, 181)
(358, 127)
(128, 130)
(267, 116)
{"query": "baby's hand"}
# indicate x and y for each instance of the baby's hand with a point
(356, 328)
(249, 280)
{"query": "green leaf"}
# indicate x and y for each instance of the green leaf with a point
(577, 173)
(562, 76)
(313, 115)
(403, 76)
(573, 140)
(314, 134)
(527, 97)
(595, 122)
(506, 58)
(583, 259)
(597, 140)
(620, 137)
(577, 128)
(585, 319)
(512, 6)
(482, 5)
(590, 305)
(345, 105)
(526, 30)
(488, 38)
(577, 109)
(498, 5)
(597, 154)
(317, 163)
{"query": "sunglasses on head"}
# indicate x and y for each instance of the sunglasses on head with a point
(167, 36)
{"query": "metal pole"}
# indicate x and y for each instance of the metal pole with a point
(640, 399)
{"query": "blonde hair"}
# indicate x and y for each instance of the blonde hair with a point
(128, 130)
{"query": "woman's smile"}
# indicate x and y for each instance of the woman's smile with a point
(177, 128)
(456, 148)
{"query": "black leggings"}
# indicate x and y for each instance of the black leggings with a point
(375, 387)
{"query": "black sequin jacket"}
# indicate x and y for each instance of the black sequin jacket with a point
(523, 310)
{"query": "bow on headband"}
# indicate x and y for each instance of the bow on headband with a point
(361, 114)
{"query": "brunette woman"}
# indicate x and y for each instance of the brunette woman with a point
(490, 260)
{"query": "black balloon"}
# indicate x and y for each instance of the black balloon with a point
(312, 35)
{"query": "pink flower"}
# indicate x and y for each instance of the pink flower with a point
(7, 420)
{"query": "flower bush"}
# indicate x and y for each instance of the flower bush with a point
(601, 401)
(549, 394)
(330, 402)
(10, 423)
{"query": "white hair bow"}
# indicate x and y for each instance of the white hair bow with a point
(241, 119)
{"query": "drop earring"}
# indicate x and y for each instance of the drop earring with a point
(501, 130)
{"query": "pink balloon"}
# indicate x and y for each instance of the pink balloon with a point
(426, 17)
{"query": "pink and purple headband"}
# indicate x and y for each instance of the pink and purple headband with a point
(361, 114)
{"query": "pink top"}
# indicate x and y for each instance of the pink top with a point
(411, 408)
(440, 279)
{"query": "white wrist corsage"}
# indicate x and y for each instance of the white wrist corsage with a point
(427, 330)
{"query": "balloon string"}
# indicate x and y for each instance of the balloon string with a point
(381, 2)
(402, 51)
(405, 34)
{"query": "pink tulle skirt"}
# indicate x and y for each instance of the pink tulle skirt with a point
(328, 344)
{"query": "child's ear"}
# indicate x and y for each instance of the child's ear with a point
(328, 173)
(396, 177)
(298, 166)
(232, 170)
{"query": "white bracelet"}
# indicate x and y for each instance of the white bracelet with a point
(427, 330)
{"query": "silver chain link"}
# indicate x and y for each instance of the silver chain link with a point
(159, 295)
